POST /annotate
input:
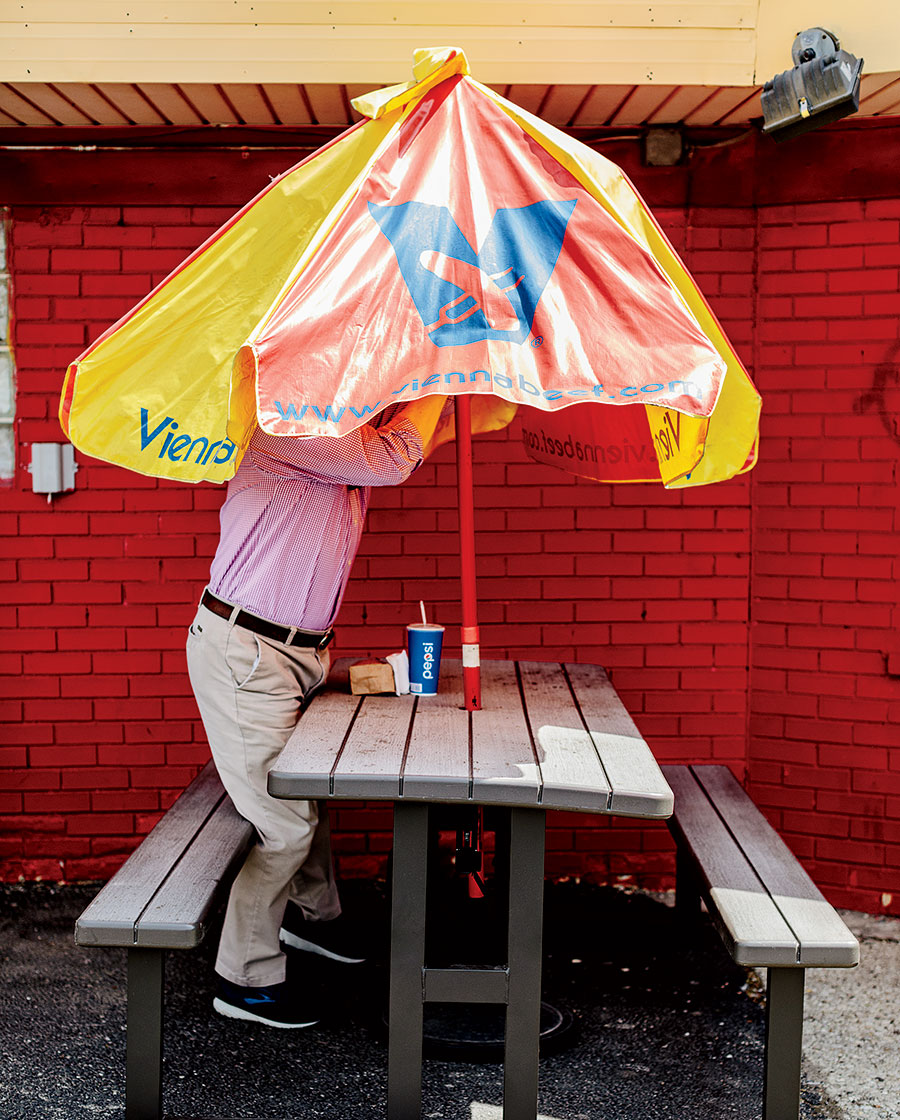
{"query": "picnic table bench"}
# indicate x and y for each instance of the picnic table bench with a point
(162, 898)
(549, 736)
(766, 908)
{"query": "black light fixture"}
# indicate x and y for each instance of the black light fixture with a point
(823, 86)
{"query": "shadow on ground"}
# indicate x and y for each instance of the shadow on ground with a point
(664, 1025)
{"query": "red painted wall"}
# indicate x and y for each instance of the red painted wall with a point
(751, 623)
(824, 746)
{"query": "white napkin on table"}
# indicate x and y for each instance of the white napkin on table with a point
(399, 662)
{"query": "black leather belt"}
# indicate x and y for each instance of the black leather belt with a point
(287, 635)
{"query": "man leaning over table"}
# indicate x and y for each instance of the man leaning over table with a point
(257, 650)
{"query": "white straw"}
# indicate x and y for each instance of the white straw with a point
(422, 607)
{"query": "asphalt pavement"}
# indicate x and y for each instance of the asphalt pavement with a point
(653, 1024)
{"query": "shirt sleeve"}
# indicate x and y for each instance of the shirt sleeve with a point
(384, 456)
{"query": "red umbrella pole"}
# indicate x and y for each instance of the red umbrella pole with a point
(471, 655)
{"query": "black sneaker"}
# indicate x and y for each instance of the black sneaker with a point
(333, 939)
(276, 1005)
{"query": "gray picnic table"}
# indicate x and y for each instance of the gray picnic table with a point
(549, 736)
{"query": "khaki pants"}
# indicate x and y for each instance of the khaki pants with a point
(250, 690)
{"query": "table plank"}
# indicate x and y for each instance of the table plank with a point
(572, 774)
(572, 745)
(177, 917)
(303, 769)
(504, 770)
(436, 767)
(372, 757)
(638, 786)
(131, 890)
(823, 937)
(749, 921)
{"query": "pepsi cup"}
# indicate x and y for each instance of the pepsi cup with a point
(423, 645)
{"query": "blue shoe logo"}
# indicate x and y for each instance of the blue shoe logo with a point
(465, 296)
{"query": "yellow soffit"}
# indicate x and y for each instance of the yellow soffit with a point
(637, 42)
(282, 63)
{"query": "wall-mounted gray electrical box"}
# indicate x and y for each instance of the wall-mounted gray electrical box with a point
(52, 468)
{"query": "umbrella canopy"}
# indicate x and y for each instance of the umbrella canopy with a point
(451, 244)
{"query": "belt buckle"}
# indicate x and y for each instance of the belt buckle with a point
(326, 641)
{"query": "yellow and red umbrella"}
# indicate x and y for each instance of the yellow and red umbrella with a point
(450, 243)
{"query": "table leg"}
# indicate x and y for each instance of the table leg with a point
(405, 1010)
(784, 1042)
(523, 1012)
(144, 1029)
(687, 888)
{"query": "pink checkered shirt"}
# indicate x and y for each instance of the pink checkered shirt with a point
(293, 518)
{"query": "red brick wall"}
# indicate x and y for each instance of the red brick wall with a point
(749, 622)
(824, 746)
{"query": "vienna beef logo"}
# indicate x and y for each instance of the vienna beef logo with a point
(179, 446)
(464, 295)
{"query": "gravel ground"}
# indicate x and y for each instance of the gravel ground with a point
(852, 1026)
(661, 1027)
